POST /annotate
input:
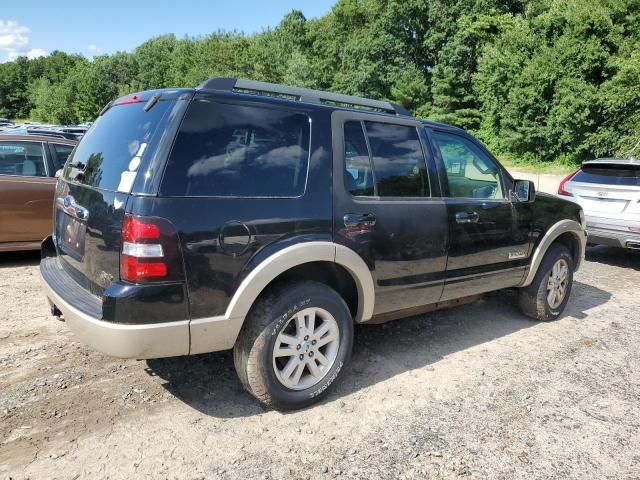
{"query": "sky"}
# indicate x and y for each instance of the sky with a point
(38, 27)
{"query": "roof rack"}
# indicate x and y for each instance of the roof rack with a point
(229, 84)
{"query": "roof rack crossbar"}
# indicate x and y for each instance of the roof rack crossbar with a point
(301, 94)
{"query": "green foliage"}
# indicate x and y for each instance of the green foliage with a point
(51, 102)
(538, 80)
(561, 84)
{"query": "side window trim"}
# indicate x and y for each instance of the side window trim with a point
(438, 164)
(45, 160)
(371, 166)
(338, 121)
(442, 170)
(57, 161)
(363, 131)
(52, 157)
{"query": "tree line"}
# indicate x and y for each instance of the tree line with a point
(536, 80)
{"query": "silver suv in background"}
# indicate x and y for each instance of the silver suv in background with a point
(608, 190)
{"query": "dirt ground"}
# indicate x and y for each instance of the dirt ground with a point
(474, 392)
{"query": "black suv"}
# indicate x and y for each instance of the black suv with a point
(268, 219)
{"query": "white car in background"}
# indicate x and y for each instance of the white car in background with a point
(608, 190)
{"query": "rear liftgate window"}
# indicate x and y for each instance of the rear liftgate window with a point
(622, 175)
(111, 145)
(238, 151)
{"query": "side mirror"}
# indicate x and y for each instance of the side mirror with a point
(524, 191)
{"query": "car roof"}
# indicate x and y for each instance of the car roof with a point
(434, 124)
(37, 138)
(272, 92)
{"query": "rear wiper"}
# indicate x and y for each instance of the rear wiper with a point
(151, 102)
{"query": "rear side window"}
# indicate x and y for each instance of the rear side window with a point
(609, 175)
(238, 151)
(108, 148)
(62, 152)
(24, 159)
(399, 168)
(398, 160)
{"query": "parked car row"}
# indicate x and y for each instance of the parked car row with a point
(70, 132)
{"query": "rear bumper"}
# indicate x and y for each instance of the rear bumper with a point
(612, 234)
(143, 340)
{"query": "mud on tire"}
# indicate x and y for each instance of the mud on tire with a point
(534, 300)
(253, 352)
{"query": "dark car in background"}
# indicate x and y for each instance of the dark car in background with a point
(608, 189)
(28, 164)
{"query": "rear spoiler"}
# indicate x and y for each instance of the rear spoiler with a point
(613, 163)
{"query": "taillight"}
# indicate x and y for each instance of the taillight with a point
(150, 250)
(561, 189)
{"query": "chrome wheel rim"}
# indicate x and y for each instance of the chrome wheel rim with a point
(306, 348)
(557, 283)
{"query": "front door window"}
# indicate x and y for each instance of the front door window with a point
(470, 173)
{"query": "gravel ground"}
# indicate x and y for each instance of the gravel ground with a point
(474, 392)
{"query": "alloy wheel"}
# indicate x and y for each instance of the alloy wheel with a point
(557, 283)
(306, 348)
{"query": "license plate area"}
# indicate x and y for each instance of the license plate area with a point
(72, 236)
(604, 205)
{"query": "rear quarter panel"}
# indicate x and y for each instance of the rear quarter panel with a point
(223, 238)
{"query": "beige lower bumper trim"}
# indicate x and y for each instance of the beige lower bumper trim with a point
(153, 340)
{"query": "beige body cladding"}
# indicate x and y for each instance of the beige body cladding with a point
(559, 228)
(220, 332)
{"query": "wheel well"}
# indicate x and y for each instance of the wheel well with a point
(570, 241)
(331, 274)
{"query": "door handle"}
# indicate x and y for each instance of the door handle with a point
(359, 220)
(467, 217)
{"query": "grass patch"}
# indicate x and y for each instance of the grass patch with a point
(555, 167)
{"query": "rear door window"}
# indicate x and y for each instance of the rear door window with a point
(609, 175)
(24, 159)
(398, 161)
(62, 152)
(394, 152)
(238, 151)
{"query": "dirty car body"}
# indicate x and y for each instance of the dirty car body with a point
(183, 212)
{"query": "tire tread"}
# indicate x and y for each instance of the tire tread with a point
(532, 299)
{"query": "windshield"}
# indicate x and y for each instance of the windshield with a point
(111, 145)
(609, 175)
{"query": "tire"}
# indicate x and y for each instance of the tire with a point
(535, 299)
(281, 316)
